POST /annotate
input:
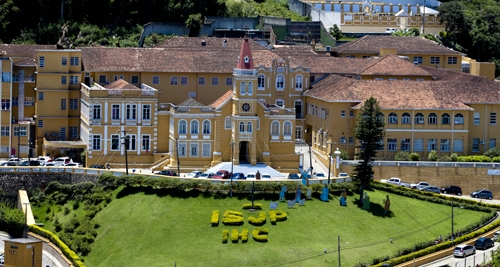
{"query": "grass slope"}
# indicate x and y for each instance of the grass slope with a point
(146, 229)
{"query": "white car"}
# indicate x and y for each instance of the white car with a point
(15, 161)
(193, 174)
(61, 161)
(266, 176)
(44, 159)
(73, 164)
(48, 164)
(390, 30)
(206, 175)
(320, 175)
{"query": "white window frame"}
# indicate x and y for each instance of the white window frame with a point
(228, 123)
(261, 82)
(201, 80)
(182, 125)
(181, 149)
(392, 118)
(477, 118)
(115, 140)
(155, 79)
(215, 81)
(206, 150)
(184, 80)
(194, 126)
(96, 142)
(459, 119)
(173, 80)
(194, 149)
(280, 82)
(299, 82)
(207, 127)
(146, 142)
(458, 145)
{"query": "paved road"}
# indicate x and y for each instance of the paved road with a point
(482, 256)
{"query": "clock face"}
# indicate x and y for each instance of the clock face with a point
(245, 107)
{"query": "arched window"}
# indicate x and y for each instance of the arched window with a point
(261, 82)
(393, 118)
(459, 118)
(206, 127)
(287, 128)
(432, 119)
(275, 128)
(242, 88)
(280, 82)
(194, 127)
(182, 127)
(298, 82)
(249, 127)
(445, 118)
(406, 118)
(227, 123)
(250, 88)
(242, 127)
(419, 118)
(380, 117)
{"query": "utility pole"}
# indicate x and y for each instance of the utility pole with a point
(423, 20)
(177, 156)
(18, 142)
(310, 159)
(452, 230)
(232, 166)
(126, 144)
(339, 249)
(330, 157)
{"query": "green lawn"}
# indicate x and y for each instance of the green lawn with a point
(146, 229)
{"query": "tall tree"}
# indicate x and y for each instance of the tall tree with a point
(370, 132)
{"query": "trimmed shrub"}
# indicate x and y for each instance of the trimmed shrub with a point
(277, 216)
(235, 236)
(261, 220)
(492, 152)
(225, 236)
(402, 156)
(260, 234)
(215, 218)
(454, 157)
(432, 156)
(495, 159)
(232, 217)
(249, 206)
(414, 156)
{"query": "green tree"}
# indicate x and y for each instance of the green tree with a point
(194, 23)
(336, 32)
(370, 132)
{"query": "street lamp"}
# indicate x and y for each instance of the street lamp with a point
(126, 143)
(329, 161)
(25, 235)
(310, 155)
(232, 166)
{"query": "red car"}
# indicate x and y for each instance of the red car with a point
(222, 174)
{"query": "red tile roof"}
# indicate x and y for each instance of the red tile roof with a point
(392, 65)
(371, 44)
(448, 75)
(23, 50)
(406, 94)
(121, 84)
(166, 60)
(190, 102)
(26, 62)
(221, 100)
(245, 60)
(329, 64)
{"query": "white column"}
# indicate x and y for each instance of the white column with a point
(123, 112)
(105, 138)
(139, 140)
(122, 134)
(106, 113)
(139, 112)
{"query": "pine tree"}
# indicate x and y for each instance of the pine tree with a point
(369, 132)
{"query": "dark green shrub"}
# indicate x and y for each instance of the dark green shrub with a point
(454, 157)
(11, 220)
(414, 156)
(76, 205)
(66, 210)
(57, 224)
(402, 156)
(68, 228)
(492, 152)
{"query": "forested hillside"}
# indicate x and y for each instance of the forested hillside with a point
(114, 22)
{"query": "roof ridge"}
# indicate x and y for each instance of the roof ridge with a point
(351, 43)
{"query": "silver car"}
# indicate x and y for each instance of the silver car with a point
(464, 251)
(431, 188)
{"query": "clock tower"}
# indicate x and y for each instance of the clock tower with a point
(245, 106)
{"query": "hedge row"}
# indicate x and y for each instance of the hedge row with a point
(277, 216)
(215, 218)
(61, 245)
(225, 236)
(477, 159)
(232, 217)
(261, 220)
(439, 247)
(260, 234)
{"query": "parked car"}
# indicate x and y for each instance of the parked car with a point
(419, 185)
(73, 164)
(61, 161)
(319, 175)
(251, 176)
(45, 159)
(206, 175)
(293, 176)
(8, 163)
(390, 30)
(343, 174)
(452, 189)
(266, 176)
(483, 193)
(167, 172)
(464, 251)
(222, 174)
(238, 176)
(49, 164)
(30, 163)
(14, 160)
(193, 174)
(496, 236)
(395, 181)
(484, 243)
(431, 188)
(95, 166)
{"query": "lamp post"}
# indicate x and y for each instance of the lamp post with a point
(126, 143)
(310, 155)
(232, 166)
(329, 161)
(25, 234)
(177, 156)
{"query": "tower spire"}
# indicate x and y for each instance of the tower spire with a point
(245, 60)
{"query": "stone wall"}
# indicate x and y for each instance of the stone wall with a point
(468, 177)
(12, 182)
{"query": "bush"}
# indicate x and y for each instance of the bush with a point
(402, 156)
(225, 236)
(261, 220)
(414, 157)
(215, 218)
(492, 152)
(433, 156)
(454, 157)
(277, 216)
(233, 218)
(11, 220)
(255, 206)
(260, 234)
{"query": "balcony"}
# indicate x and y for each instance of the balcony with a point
(130, 122)
(115, 121)
(146, 122)
(26, 79)
(244, 72)
(96, 121)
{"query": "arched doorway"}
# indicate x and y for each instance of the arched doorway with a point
(244, 149)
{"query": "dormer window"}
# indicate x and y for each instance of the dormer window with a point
(247, 60)
(238, 58)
